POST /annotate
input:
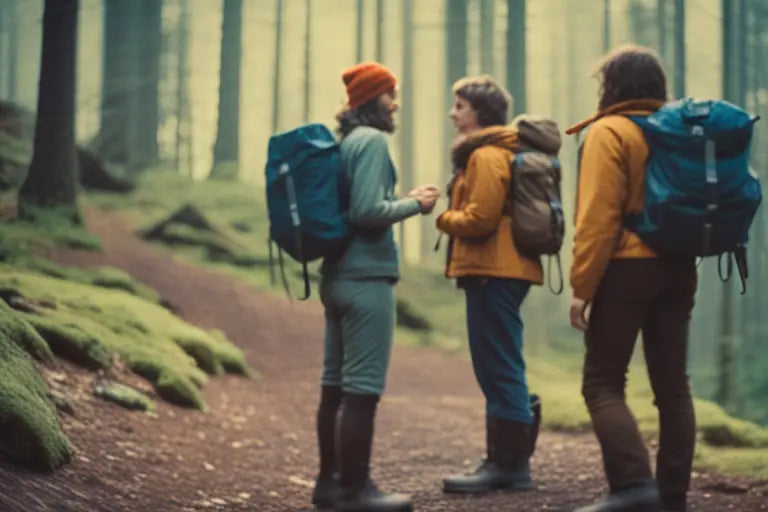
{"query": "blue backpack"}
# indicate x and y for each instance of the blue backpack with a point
(306, 196)
(700, 193)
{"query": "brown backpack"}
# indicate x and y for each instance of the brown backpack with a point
(538, 223)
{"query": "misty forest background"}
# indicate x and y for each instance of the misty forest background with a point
(198, 86)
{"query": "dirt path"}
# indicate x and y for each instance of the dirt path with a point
(255, 448)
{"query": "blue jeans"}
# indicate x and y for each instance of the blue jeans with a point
(496, 344)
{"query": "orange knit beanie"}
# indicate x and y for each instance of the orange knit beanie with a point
(366, 81)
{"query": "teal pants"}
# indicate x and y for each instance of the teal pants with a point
(359, 326)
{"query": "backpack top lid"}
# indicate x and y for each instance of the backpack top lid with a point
(295, 145)
(690, 117)
(538, 132)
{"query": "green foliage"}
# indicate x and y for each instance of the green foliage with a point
(50, 217)
(19, 239)
(225, 171)
(30, 433)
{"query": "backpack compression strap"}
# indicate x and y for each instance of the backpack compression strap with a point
(296, 220)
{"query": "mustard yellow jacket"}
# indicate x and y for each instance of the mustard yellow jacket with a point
(477, 221)
(611, 185)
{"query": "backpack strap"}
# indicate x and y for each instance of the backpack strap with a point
(560, 286)
(296, 220)
(739, 255)
(281, 262)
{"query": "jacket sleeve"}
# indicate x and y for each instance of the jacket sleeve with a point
(487, 180)
(602, 194)
(372, 177)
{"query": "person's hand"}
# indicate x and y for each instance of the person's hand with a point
(427, 197)
(427, 201)
(579, 314)
(424, 189)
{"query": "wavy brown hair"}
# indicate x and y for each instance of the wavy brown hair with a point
(487, 98)
(373, 114)
(630, 73)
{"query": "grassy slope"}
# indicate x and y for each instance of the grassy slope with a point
(726, 444)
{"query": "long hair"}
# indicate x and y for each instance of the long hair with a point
(630, 73)
(373, 114)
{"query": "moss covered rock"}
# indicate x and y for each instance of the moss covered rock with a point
(15, 329)
(30, 433)
(86, 324)
(70, 341)
(123, 395)
(179, 390)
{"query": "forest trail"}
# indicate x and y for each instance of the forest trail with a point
(255, 448)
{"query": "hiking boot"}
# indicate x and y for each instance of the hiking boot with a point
(369, 498)
(326, 492)
(674, 503)
(506, 465)
(640, 498)
(488, 477)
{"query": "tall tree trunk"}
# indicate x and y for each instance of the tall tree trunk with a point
(307, 60)
(119, 118)
(182, 92)
(733, 90)
(516, 65)
(661, 29)
(359, 23)
(379, 50)
(10, 25)
(147, 150)
(406, 113)
(228, 137)
(276, 70)
(486, 36)
(606, 26)
(455, 64)
(679, 75)
(52, 177)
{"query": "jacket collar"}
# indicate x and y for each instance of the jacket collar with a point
(500, 136)
(639, 106)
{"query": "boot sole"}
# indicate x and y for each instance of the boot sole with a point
(404, 508)
(324, 505)
(519, 487)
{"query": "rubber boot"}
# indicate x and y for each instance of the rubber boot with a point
(354, 440)
(326, 489)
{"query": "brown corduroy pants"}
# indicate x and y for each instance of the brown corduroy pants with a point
(654, 296)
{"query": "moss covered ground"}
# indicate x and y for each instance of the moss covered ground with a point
(88, 317)
(554, 351)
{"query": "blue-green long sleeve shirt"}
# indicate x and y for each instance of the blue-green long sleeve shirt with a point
(373, 208)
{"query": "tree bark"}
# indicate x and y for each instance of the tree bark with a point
(227, 140)
(131, 76)
(52, 177)
(148, 82)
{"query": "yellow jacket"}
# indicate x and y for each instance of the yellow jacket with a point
(477, 220)
(611, 185)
